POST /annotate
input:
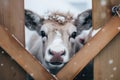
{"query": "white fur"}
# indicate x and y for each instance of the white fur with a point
(85, 35)
(57, 45)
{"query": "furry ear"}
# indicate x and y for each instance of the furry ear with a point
(84, 21)
(84, 26)
(32, 20)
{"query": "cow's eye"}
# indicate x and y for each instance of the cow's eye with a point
(43, 34)
(73, 35)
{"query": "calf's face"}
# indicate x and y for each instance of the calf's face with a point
(58, 36)
(58, 43)
(84, 26)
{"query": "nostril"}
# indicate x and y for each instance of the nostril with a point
(63, 53)
(51, 52)
(82, 41)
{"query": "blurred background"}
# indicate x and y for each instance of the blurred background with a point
(43, 6)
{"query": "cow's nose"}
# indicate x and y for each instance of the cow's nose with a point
(57, 53)
(82, 41)
(56, 57)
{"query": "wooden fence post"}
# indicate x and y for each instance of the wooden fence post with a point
(12, 17)
(101, 12)
(106, 64)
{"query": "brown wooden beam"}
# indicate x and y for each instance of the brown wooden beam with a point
(9, 69)
(22, 57)
(107, 63)
(101, 12)
(12, 17)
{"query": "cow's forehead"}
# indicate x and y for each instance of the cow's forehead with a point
(53, 26)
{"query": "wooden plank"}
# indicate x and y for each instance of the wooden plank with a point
(9, 69)
(22, 57)
(115, 2)
(101, 12)
(90, 50)
(107, 63)
(12, 16)
(102, 69)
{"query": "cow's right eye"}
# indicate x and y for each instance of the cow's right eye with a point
(43, 34)
(73, 35)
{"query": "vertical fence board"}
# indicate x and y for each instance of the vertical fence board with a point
(101, 12)
(106, 64)
(12, 17)
(115, 2)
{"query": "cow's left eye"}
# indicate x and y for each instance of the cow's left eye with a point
(43, 34)
(73, 35)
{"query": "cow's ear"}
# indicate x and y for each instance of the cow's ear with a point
(84, 20)
(32, 20)
(83, 23)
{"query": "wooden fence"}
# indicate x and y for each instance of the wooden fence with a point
(106, 42)
(106, 64)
